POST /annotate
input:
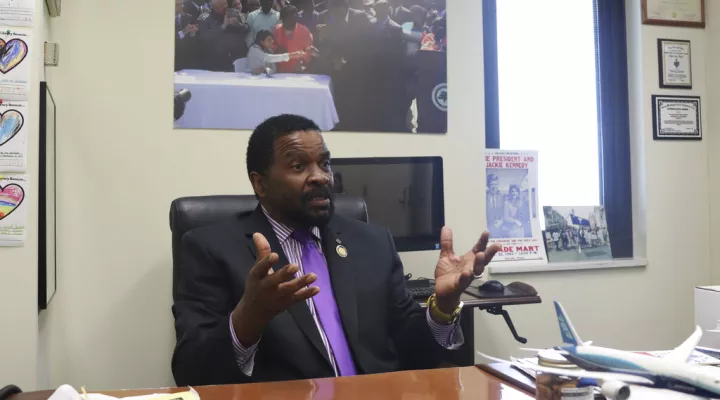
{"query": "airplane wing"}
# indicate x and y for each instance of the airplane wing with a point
(577, 373)
(682, 353)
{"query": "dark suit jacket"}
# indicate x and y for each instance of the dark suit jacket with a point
(221, 47)
(186, 48)
(350, 40)
(386, 329)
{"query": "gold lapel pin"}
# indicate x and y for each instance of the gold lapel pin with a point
(342, 251)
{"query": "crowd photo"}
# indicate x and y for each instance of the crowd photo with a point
(576, 233)
(349, 65)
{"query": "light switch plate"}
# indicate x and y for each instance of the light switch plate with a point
(52, 54)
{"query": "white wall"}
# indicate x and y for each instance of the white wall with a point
(711, 102)
(19, 358)
(120, 165)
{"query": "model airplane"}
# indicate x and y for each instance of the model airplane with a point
(615, 370)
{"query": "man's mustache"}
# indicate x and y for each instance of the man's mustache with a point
(322, 191)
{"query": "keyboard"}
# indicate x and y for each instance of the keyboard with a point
(420, 288)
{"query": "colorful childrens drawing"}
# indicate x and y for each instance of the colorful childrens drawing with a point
(11, 196)
(12, 53)
(10, 123)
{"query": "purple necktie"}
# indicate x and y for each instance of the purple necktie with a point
(314, 262)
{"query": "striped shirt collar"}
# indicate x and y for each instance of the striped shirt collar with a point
(283, 231)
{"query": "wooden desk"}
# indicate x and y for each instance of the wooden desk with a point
(467, 383)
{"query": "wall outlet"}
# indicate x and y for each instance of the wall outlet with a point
(52, 54)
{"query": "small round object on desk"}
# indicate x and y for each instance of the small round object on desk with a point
(553, 358)
(558, 387)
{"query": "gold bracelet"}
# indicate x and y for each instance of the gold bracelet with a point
(438, 315)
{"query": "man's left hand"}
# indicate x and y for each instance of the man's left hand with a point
(454, 273)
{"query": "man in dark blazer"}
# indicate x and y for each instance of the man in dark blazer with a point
(388, 82)
(346, 42)
(221, 37)
(291, 291)
(185, 37)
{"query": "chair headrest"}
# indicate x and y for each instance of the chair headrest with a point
(187, 213)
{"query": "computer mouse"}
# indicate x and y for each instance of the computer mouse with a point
(523, 287)
(492, 286)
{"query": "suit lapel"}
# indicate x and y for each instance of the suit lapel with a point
(343, 283)
(299, 311)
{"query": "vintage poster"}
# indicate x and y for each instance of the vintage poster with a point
(13, 209)
(361, 66)
(13, 136)
(17, 12)
(511, 201)
(15, 63)
(576, 233)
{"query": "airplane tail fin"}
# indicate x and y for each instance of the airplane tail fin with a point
(569, 335)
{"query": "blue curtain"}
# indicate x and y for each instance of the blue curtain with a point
(614, 123)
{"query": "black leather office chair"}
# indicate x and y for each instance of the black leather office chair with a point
(187, 213)
(8, 391)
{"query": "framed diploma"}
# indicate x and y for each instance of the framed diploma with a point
(675, 68)
(676, 118)
(687, 13)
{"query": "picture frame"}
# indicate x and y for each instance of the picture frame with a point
(676, 117)
(682, 13)
(47, 227)
(674, 64)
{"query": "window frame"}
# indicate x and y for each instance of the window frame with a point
(613, 113)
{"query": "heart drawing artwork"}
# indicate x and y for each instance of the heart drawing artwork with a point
(10, 123)
(12, 53)
(11, 196)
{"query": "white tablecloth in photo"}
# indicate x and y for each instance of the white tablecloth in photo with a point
(231, 100)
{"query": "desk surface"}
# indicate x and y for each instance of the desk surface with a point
(487, 302)
(447, 384)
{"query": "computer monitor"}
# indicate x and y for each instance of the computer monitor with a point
(403, 194)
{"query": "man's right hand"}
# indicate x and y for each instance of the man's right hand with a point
(190, 29)
(268, 293)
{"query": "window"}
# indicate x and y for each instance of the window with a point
(556, 82)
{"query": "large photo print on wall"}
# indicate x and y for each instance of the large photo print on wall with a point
(349, 65)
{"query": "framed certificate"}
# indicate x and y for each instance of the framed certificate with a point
(676, 118)
(687, 13)
(675, 67)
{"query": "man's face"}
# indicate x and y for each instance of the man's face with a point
(299, 183)
(266, 5)
(494, 186)
(290, 21)
(179, 6)
(220, 6)
(382, 10)
(253, 5)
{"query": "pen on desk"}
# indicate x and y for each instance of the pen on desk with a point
(85, 396)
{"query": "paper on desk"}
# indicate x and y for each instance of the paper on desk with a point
(67, 392)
